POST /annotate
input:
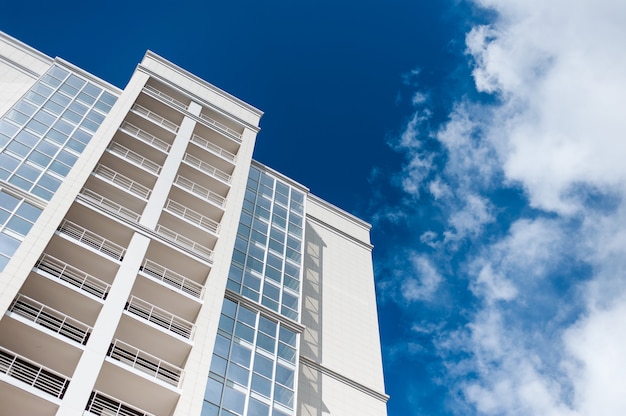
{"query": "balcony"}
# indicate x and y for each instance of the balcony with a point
(149, 89)
(207, 168)
(51, 319)
(155, 118)
(102, 405)
(32, 374)
(185, 243)
(171, 278)
(92, 240)
(213, 148)
(221, 127)
(109, 205)
(146, 363)
(200, 191)
(109, 175)
(192, 216)
(145, 137)
(160, 317)
(134, 158)
(63, 271)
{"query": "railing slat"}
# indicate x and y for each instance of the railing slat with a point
(160, 317)
(32, 373)
(172, 278)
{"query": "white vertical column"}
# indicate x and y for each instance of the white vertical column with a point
(88, 368)
(164, 182)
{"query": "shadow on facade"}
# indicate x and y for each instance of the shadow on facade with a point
(310, 379)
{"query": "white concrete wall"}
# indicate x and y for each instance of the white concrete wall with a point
(20, 67)
(339, 312)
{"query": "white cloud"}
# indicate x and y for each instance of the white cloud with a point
(560, 69)
(547, 335)
(424, 284)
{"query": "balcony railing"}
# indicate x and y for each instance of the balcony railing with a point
(164, 96)
(154, 117)
(172, 278)
(201, 191)
(192, 216)
(221, 127)
(33, 374)
(73, 276)
(92, 240)
(146, 363)
(206, 168)
(109, 205)
(183, 242)
(51, 319)
(102, 405)
(122, 181)
(144, 136)
(134, 157)
(160, 317)
(213, 148)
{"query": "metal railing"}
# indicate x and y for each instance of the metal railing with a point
(164, 96)
(33, 374)
(172, 278)
(109, 205)
(122, 181)
(154, 117)
(93, 240)
(51, 319)
(223, 128)
(183, 242)
(200, 190)
(213, 148)
(144, 136)
(146, 363)
(134, 157)
(192, 216)
(160, 317)
(101, 404)
(72, 275)
(207, 168)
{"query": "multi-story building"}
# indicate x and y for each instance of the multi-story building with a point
(150, 267)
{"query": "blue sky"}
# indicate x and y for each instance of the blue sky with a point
(483, 139)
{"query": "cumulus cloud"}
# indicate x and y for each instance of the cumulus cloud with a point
(545, 331)
(425, 281)
(560, 72)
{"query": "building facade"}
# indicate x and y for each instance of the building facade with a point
(148, 266)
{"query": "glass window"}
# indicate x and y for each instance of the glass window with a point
(226, 324)
(35, 98)
(256, 408)
(18, 148)
(58, 72)
(284, 376)
(213, 391)
(283, 396)
(244, 332)
(238, 374)
(287, 336)
(265, 342)
(75, 82)
(240, 355)
(222, 346)
(233, 400)
(8, 244)
(246, 316)
(19, 225)
(261, 385)
(8, 202)
(263, 365)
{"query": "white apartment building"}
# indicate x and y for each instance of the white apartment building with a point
(148, 266)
